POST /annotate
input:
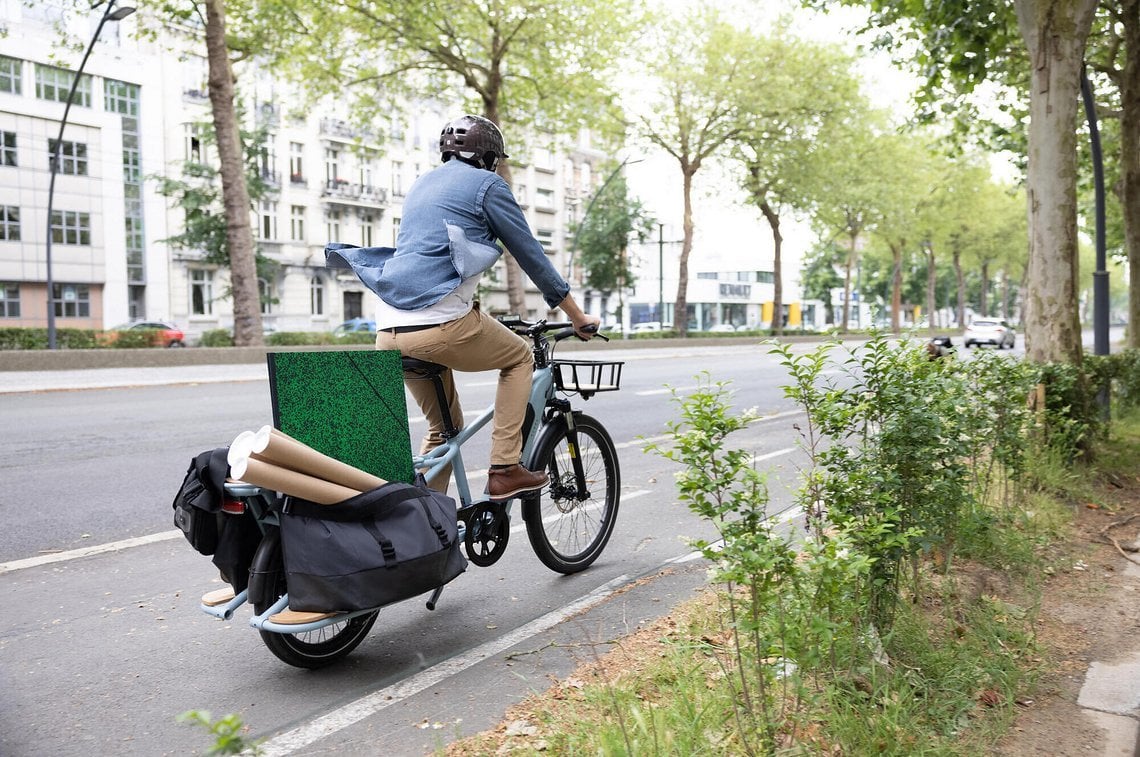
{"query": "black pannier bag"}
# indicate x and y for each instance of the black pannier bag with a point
(382, 546)
(198, 503)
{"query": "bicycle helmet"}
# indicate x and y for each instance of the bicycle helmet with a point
(472, 139)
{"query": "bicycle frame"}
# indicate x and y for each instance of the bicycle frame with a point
(450, 452)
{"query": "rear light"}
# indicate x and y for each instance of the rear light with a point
(233, 507)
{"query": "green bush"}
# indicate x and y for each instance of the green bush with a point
(217, 338)
(37, 339)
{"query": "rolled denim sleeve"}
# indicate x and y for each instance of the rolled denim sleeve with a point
(508, 223)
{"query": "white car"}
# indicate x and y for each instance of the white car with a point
(721, 328)
(647, 326)
(989, 331)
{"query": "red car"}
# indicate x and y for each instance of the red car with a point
(165, 334)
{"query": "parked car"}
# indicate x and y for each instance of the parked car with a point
(989, 331)
(165, 334)
(645, 327)
(355, 326)
(721, 328)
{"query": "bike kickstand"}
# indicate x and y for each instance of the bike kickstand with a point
(434, 597)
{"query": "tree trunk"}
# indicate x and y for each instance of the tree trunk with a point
(1055, 33)
(681, 305)
(847, 286)
(931, 284)
(984, 308)
(960, 277)
(777, 283)
(896, 288)
(516, 285)
(243, 270)
(1130, 161)
(235, 196)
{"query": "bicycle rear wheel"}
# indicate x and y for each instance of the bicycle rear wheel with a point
(310, 649)
(568, 529)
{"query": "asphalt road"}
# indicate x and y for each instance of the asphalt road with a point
(102, 644)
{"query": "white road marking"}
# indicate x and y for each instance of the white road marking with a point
(368, 705)
(75, 554)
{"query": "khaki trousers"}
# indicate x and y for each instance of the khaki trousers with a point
(475, 342)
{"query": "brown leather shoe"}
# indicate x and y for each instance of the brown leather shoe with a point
(504, 483)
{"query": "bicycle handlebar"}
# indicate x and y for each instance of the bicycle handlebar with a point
(564, 329)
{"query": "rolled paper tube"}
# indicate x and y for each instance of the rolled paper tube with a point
(278, 448)
(291, 482)
(240, 447)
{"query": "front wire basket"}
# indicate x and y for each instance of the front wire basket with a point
(587, 376)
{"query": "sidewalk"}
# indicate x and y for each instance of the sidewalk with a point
(107, 378)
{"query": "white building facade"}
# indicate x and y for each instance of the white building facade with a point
(139, 112)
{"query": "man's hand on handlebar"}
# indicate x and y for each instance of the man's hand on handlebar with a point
(586, 327)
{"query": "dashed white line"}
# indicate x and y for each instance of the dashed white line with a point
(75, 554)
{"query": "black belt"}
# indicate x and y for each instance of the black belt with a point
(410, 329)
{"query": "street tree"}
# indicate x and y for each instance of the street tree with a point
(958, 47)
(703, 67)
(793, 105)
(536, 67)
(601, 240)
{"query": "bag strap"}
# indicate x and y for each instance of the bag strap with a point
(368, 504)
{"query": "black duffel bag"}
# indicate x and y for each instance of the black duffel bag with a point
(379, 547)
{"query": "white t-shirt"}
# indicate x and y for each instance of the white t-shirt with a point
(452, 306)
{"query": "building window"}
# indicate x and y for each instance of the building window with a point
(10, 70)
(71, 300)
(332, 226)
(9, 223)
(121, 97)
(296, 162)
(546, 238)
(54, 83)
(297, 223)
(7, 148)
(317, 295)
(268, 224)
(366, 171)
(544, 199)
(366, 225)
(9, 300)
(397, 178)
(72, 157)
(68, 227)
(265, 292)
(194, 149)
(201, 292)
(395, 230)
(521, 194)
(331, 167)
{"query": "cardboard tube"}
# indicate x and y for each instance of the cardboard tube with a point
(291, 482)
(273, 446)
(240, 447)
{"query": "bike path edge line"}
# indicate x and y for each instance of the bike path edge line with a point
(353, 712)
(75, 554)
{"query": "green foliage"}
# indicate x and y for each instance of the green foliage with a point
(611, 218)
(217, 338)
(198, 192)
(226, 730)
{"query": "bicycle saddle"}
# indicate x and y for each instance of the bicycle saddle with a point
(422, 367)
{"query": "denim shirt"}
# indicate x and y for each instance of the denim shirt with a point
(453, 219)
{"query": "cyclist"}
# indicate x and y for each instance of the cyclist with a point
(454, 218)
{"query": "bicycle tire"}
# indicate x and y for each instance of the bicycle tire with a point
(568, 534)
(310, 649)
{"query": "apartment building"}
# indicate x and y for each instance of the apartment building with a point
(141, 111)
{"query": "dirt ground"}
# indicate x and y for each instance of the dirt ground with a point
(1090, 612)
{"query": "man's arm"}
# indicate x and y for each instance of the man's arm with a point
(580, 320)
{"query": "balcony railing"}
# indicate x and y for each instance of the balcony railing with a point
(339, 190)
(337, 129)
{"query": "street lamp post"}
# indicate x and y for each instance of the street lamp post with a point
(110, 14)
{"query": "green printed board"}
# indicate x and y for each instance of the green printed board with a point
(347, 404)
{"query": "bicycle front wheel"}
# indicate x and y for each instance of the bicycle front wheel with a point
(568, 527)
